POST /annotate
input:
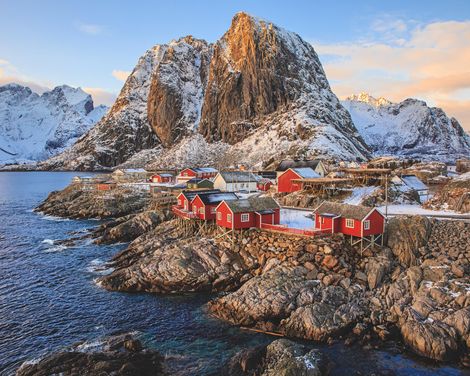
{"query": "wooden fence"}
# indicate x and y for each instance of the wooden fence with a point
(294, 231)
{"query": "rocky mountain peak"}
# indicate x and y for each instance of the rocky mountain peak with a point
(369, 99)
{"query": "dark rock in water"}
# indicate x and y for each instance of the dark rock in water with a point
(73, 202)
(280, 358)
(246, 362)
(119, 355)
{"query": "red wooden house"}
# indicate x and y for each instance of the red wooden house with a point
(106, 185)
(162, 178)
(286, 183)
(185, 198)
(247, 213)
(354, 220)
(197, 172)
(204, 204)
(264, 184)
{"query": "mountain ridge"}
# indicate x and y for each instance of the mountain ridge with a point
(35, 127)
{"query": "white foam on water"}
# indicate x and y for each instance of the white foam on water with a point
(90, 346)
(48, 241)
(55, 219)
(98, 266)
(58, 248)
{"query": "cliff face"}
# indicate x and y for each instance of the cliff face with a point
(409, 128)
(258, 69)
(177, 89)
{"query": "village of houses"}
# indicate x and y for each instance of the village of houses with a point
(300, 197)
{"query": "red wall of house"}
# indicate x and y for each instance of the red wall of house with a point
(327, 224)
(224, 209)
(182, 200)
(355, 231)
(189, 173)
(284, 182)
(198, 204)
(377, 222)
(264, 187)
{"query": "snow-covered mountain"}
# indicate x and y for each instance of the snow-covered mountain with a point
(258, 93)
(409, 128)
(34, 127)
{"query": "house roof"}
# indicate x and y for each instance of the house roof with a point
(204, 169)
(253, 204)
(306, 173)
(165, 175)
(217, 198)
(197, 180)
(191, 194)
(291, 163)
(238, 176)
(414, 182)
(358, 212)
(264, 181)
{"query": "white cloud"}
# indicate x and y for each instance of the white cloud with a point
(90, 29)
(120, 74)
(101, 96)
(431, 62)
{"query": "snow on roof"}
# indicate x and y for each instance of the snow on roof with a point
(215, 198)
(204, 169)
(133, 170)
(344, 210)
(306, 172)
(239, 176)
(414, 182)
(165, 175)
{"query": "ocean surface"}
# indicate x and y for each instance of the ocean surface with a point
(48, 299)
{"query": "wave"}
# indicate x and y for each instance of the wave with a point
(57, 248)
(48, 241)
(100, 267)
(55, 219)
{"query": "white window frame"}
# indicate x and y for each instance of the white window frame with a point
(322, 220)
(245, 217)
(229, 218)
(349, 223)
(367, 225)
(195, 209)
(219, 216)
(201, 210)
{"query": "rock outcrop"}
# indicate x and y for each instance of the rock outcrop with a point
(281, 357)
(118, 355)
(73, 202)
(455, 195)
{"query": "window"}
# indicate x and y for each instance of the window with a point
(229, 217)
(201, 210)
(349, 223)
(195, 210)
(185, 174)
(322, 220)
(219, 216)
(212, 210)
(366, 225)
(245, 217)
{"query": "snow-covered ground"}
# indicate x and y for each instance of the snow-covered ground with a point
(418, 210)
(359, 194)
(297, 218)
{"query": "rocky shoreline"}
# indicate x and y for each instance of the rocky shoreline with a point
(416, 290)
(116, 355)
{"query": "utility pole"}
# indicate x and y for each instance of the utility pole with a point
(386, 197)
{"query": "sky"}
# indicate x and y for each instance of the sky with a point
(395, 49)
